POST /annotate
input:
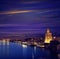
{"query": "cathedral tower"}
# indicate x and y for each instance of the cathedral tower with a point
(48, 36)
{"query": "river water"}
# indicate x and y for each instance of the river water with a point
(18, 51)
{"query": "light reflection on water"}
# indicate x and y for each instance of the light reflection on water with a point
(24, 46)
(16, 51)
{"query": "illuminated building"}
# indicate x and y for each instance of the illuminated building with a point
(7, 41)
(48, 36)
(0, 42)
(3, 41)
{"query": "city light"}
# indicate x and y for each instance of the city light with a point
(24, 46)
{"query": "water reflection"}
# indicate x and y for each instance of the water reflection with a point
(20, 51)
(4, 51)
(24, 46)
(35, 50)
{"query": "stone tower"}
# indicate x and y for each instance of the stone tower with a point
(48, 36)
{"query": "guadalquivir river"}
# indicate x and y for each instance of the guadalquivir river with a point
(17, 51)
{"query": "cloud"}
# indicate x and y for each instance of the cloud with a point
(16, 12)
(30, 2)
(27, 11)
(14, 25)
(31, 25)
(20, 32)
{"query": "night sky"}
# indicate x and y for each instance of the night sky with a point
(25, 17)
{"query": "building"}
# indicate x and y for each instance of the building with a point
(48, 36)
